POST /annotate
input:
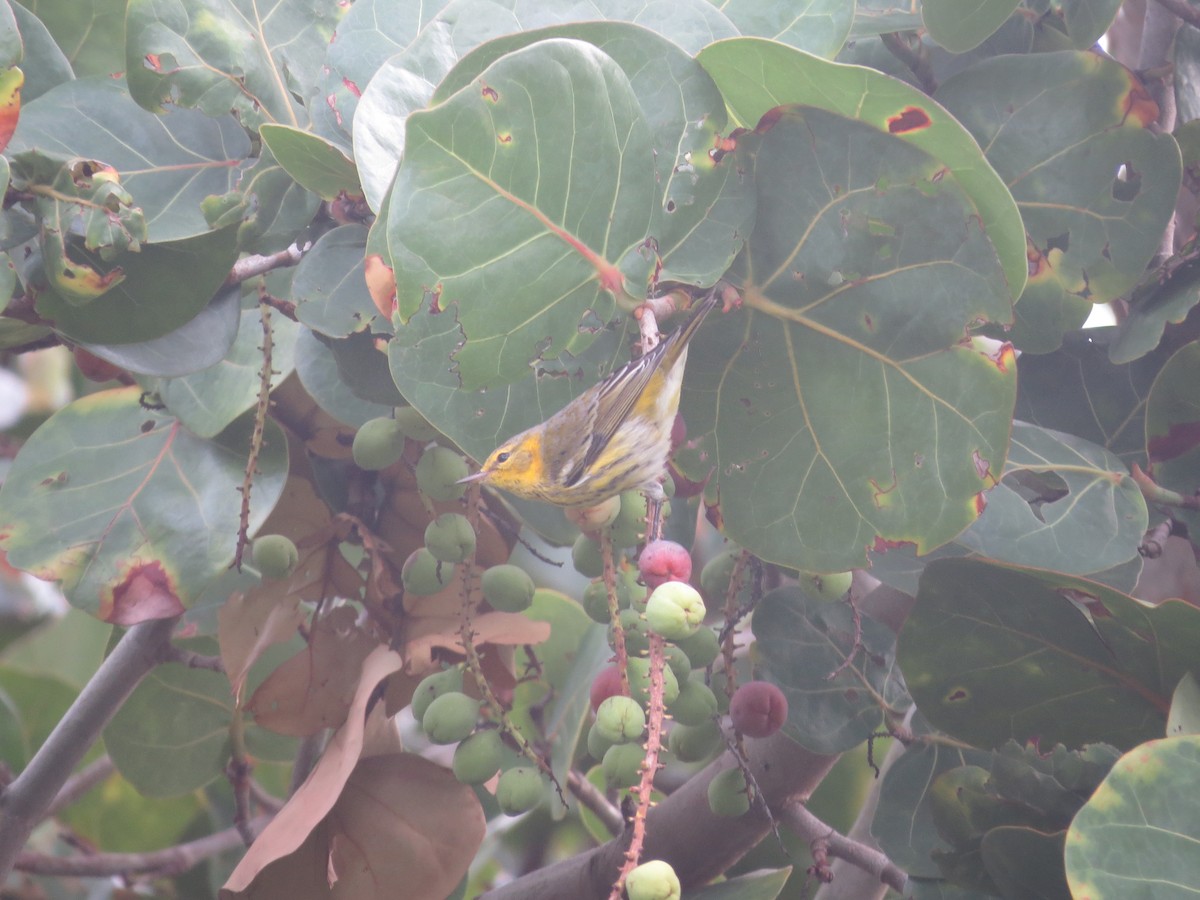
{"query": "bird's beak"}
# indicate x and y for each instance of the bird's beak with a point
(471, 479)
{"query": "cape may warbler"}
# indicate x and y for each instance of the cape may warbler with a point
(614, 437)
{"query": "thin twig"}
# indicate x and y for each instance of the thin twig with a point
(827, 842)
(80, 783)
(591, 798)
(24, 802)
(170, 861)
(194, 660)
(249, 266)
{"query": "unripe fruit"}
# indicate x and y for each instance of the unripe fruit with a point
(507, 588)
(414, 425)
(727, 795)
(478, 757)
(678, 661)
(720, 686)
(639, 681)
(597, 743)
(595, 600)
(432, 687)
(590, 519)
(519, 790)
(450, 718)
(758, 709)
(606, 684)
(653, 880)
(422, 573)
(586, 557)
(693, 743)
(637, 641)
(450, 538)
(622, 765)
(695, 705)
(717, 573)
(663, 561)
(274, 555)
(827, 587)
(702, 648)
(675, 610)
(629, 526)
(438, 472)
(620, 719)
(377, 443)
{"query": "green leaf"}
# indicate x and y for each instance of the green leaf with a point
(816, 26)
(145, 824)
(1173, 428)
(197, 344)
(45, 66)
(1024, 862)
(270, 206)
(169, 163)
(705, 210)
(761, 884)
(131, 512)
(1095, 188)
(70, 648)
(1184, 717)
(842, 407)
(92, 34)
(992, 653)
(1087, 20)
(318, 371)
(1151, 308)
(329, 288)
(207, 402)
(1137, 835)
(1078, 390)
(137, 309)
(315, 164)
(802, 641)
(251, 57)
(756, 76)
(962, 25)
(33, 705)
(485, 209)
(1063, 504)
(11, 49)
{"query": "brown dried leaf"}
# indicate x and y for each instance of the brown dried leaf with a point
(320, 791)
(314, 689)
(429, 632)
(248, 624)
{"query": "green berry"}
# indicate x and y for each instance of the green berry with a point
(695, 705)
(590, 519)
(519, 790)
(637, 641)
(679, 663)
(826, 587)
(630, 524)
(377, 444)
(639, 681)
(595, 599)
(620, 719)
(478, 757)
(432, 687)
(622, 765)
(438, 472)
(597, 743)
(702, 648)
(693, 743)
(414, 425)
(717, 573)
(450, 538)
(423, 574)
(508, 588)
(675, 610)
(727, 795)
(653, 880)
(586, 557)
(274, 555)
(450, 718)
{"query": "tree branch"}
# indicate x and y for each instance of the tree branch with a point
(163, 863)
(1183, 9)
(24, 802)
(816, 832)
(80, 783)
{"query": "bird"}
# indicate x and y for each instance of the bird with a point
(612, 438)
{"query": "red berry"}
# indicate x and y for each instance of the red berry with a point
(758, 709)
(664, 561)
(606, 684)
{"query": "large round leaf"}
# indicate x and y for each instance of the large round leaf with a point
(131, 512)
(1173, 427)
(515, 200)
(843, 407)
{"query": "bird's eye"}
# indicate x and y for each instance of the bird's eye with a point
(501, 457)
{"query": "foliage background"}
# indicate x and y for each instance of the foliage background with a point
(383, 204)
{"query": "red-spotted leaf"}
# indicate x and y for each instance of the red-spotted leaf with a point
(132, 513)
